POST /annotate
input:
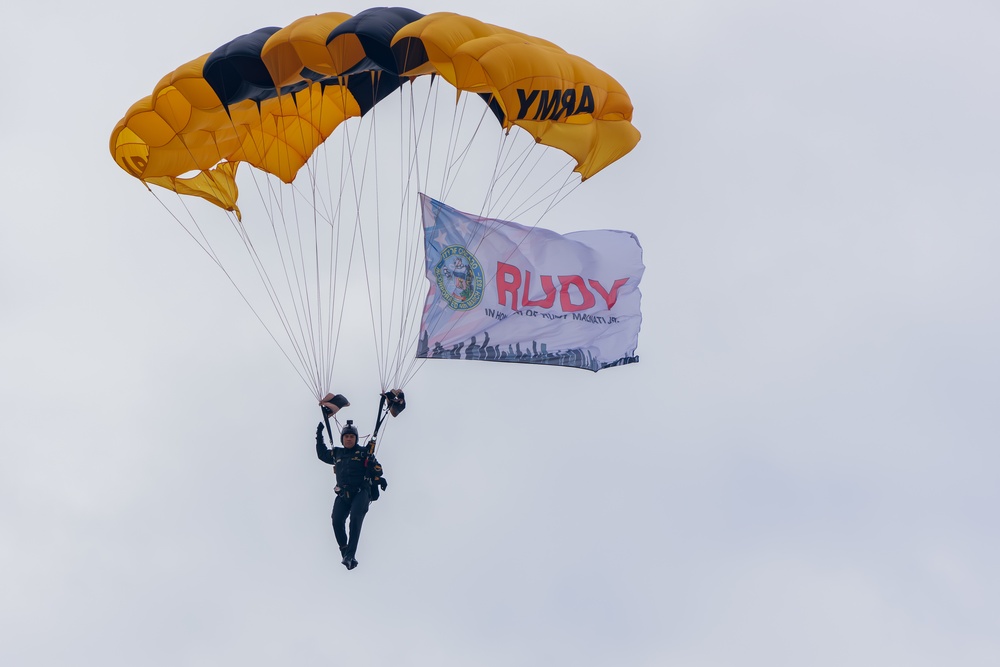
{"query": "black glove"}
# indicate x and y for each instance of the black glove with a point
(382, 483)
(319, 434)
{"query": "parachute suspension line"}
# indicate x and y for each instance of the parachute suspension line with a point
(207, 248)
(449, 165)
(322, 224)
(345, 173)
(450, 151)
(298, 287)
(405, 240)
(428, 119)
(203, 242)
(322, 328)
(410, 226)
(397, 299)
(457, 164)
(312, 303)
(446, 182)
(317, 328)
(406, 153)
(517, 170)
(412, 231)
(559, 195)
(335, 220)
(299, 293)
(503, 149)
(406, 146)
(312, 320)
(272, 291)
(515, 213)
(508, 210)
(384, 318)
(241, 231)
(229, 277)
(510, 172)
(359, 230)
(412, 270)
(449, 161)
(271, 202)
(349, 176)
(408, 143)
(379, 291)
(390, 337)
(325, 327)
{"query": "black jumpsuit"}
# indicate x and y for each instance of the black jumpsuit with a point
(354, 468)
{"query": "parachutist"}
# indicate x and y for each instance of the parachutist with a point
(359, 478)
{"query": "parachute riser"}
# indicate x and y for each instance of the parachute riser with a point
(380, 414)
(326, 419)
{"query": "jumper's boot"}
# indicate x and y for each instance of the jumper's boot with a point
(345, 560)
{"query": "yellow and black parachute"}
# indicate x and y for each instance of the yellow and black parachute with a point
(279, 98)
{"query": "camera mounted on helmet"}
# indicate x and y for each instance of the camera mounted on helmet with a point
(349, 429)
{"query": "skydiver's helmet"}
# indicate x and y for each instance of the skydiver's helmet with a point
(350, 429)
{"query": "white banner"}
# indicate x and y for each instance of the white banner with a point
(500, 291)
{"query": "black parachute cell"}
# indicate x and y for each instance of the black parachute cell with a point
(235, 71)
(375, 29)
(370, 88)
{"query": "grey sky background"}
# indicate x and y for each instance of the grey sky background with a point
(802, 469)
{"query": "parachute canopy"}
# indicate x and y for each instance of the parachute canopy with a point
(342, 121)
(271, 97)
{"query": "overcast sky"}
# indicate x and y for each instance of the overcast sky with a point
(801, 470)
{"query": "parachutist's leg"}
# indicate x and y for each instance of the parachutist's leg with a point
(359, 507)
(341, 508)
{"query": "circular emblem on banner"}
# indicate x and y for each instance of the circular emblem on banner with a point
(460, 278)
